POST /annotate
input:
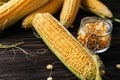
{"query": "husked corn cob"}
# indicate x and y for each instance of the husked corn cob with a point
(69, 12)
(98, 8)
(14, 10)
(52, 7)
(75, 57)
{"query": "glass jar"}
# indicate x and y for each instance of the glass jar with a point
(95, 33)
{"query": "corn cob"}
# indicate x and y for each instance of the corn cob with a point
(69, 12)
(98, 8)
(52, 7)
(14, 10)
(75, 57)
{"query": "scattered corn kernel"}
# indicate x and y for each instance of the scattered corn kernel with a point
(49, 78)
(118, 66)
(103, 72)
(49, 67)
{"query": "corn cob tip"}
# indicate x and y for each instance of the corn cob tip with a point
(65, 24)
(26, 23)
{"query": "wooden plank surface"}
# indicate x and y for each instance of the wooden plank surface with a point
(33, 66)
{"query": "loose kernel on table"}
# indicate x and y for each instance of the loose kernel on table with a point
(49, 67)
(49, 78)
(118, 66)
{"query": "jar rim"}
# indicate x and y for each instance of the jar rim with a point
(93, 19)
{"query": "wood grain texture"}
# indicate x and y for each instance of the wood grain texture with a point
(33, 67)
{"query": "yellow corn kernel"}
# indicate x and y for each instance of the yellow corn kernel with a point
(52, 7)
(69, 12)
(15, 10)
(71, 53)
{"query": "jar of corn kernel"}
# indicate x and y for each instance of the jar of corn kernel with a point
(95, 33)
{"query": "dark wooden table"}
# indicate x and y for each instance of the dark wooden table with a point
(19, 66)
